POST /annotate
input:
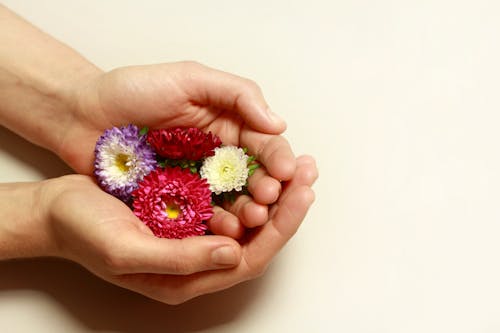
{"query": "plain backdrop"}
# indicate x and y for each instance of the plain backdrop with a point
(399, 103)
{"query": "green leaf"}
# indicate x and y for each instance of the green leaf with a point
(144, 130)
(252, 168)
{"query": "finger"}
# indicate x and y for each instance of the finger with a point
(289, 213)
(308, 170)
(249, 213)
(291, 210)
(306, 174)
(177, 289)
(273, 151)
(264, 189)
(143, 253)
(225, 223)
(216, 88)
(257, 254)
(285, 221)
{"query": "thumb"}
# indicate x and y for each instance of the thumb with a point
(144, 253)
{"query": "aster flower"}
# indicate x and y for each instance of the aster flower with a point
(183, 143)
(173, 203)
(122, 158)
(227, 170)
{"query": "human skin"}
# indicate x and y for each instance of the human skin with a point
(55, 98)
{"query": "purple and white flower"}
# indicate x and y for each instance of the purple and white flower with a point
(122, 159)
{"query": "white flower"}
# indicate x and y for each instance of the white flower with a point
(227, 170)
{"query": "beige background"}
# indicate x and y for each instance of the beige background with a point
(399, 103)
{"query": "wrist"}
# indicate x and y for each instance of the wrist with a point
(24, 224)
(40, 79)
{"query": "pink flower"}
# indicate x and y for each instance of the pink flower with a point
(183, 143)
(173, 203)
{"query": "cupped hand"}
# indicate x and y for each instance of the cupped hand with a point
(187, 94)
(258, 248)
(100, 232)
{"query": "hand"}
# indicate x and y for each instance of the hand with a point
(187, 94)
(93, 228)
(100, 232)
(67, 103)
(183, 94)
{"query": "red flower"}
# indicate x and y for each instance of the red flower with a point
(173, 203)
(183, 143)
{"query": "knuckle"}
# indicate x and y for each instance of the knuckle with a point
(252, 85)
(175, 299)
(190, 65)
(258, 271)
(308, 164)
(312, 175)
(113, 261)
(254, 268)
(177, 296)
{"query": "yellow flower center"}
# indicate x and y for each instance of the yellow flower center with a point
(226, 169)
(121, 161)
(172, 211)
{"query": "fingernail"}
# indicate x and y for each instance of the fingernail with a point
(225, 255)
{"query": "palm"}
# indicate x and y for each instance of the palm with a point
(91, 219)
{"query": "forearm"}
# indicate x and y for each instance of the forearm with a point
(38, 80)
(24, 230)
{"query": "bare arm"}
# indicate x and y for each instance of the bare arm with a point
(55, 98)
(38, 76)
